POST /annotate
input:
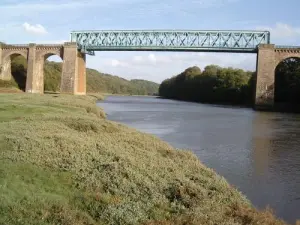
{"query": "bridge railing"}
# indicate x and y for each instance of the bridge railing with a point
(287, 47)
(50, 45)
(170, 40)
(14, 45)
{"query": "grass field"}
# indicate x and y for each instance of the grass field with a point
(62, 162)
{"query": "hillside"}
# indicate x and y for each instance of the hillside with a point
(96, 81)
(106, 83)
(145, 85)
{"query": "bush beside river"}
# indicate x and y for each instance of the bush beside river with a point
(62, 162)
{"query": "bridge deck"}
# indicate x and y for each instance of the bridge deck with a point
(170, 40)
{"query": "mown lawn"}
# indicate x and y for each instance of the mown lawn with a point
(62, 162)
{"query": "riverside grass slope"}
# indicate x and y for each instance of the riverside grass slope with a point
(62, 162)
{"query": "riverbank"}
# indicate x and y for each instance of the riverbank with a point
(63, 162)
(220, 104)
(278, 107)
(111, 94)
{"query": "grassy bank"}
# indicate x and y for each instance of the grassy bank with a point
(62, 162)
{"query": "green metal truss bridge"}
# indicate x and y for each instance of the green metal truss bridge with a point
(170, 40)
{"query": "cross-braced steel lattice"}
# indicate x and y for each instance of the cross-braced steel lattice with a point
(172, 40)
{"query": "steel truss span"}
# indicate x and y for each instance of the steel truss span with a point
(172, 40)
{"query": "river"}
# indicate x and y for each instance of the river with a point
(257, 152)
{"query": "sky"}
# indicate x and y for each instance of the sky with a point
(51, 21)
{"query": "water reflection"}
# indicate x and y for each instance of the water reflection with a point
(261, 128)
(276, 162)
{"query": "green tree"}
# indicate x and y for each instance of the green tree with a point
(214, 84)
(287, 81)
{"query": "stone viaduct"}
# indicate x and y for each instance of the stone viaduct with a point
(268, 58)
(73, 78)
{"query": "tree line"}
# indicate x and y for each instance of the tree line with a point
(212, 85)
(231, 86)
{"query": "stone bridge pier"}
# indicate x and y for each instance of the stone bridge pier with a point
(73, 77)
(268, 58)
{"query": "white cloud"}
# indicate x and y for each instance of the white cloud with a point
(152, 58)
(115, 62)
(118, 63)
(34, 29)
(138, 58)
(281, 31)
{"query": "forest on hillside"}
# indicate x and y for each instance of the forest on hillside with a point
(96, 82)
(231, 86)
(212, 85)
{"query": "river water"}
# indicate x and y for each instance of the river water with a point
(257, 152)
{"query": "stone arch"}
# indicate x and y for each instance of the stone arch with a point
(49, 54)
(286, 80)
(282, 55)
(8, 53)
(268, 58)
(14, 68)
(43, 53)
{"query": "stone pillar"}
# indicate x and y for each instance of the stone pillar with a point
(81, 78)
(5, 66)
(265, 78)
(1, 53)
(39, 67)
(73, 72)
(5, 69)
(68, 68)
(35, 76)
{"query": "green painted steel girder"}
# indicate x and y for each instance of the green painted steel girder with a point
(170, 40)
